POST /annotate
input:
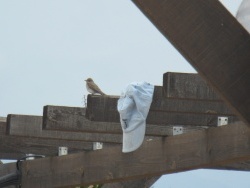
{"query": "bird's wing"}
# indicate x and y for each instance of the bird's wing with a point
(94, 87)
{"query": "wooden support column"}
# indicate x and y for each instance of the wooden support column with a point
(213, 42)
(200, 149)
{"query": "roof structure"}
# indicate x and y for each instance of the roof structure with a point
(218, 47)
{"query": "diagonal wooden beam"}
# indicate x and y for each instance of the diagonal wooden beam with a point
(213, 42)
(200, 149)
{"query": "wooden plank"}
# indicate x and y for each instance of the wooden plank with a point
(213, 42)
(31, 126)
(15, 147)
(63, 118)
(165, 111)
(108, 104)
(10, 155)
(171, 118)
(146, 182)
(66, 119)
(187, 86)
(200, 149)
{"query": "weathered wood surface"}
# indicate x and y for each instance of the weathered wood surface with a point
(200, 149)
(5, 155)
(163, 111)
(31, 126)
(213, 42)
(15, 147)
(160, 103)
(7, 169)
(241, 166)
(187, 86)
(65, 119)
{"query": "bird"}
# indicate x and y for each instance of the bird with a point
(92, 87)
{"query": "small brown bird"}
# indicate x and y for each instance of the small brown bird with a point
(92, 87)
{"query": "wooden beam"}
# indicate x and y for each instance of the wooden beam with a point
(188, 86)
(68, 119)
(175, 103)
(212, 40)
(31, 126)
(200, 149)
(15, 147)
(164, 111)
(5, 155)
(241, 166)
(145, 182)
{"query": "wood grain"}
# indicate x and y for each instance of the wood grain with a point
(64, 119)
(15, 147)
(163, 111)
(187, 86)
(213, 42)
(200, 149)
(31, 126)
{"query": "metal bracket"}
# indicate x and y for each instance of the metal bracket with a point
(62, 151)
(222, 121)
(177, 130)
(97, 145)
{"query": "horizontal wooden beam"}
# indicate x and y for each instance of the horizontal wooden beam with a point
(31, 126)
(200, 149)
(213, 42)
(163, 111)
(187, 86)
(68, 119)
(9, 168)
(73, 119)
(5, 155)
(15, 147)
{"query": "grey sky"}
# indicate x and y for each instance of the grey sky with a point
(48, 47)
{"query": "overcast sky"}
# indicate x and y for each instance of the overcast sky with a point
(48, 47)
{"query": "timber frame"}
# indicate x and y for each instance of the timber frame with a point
(217, 46)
